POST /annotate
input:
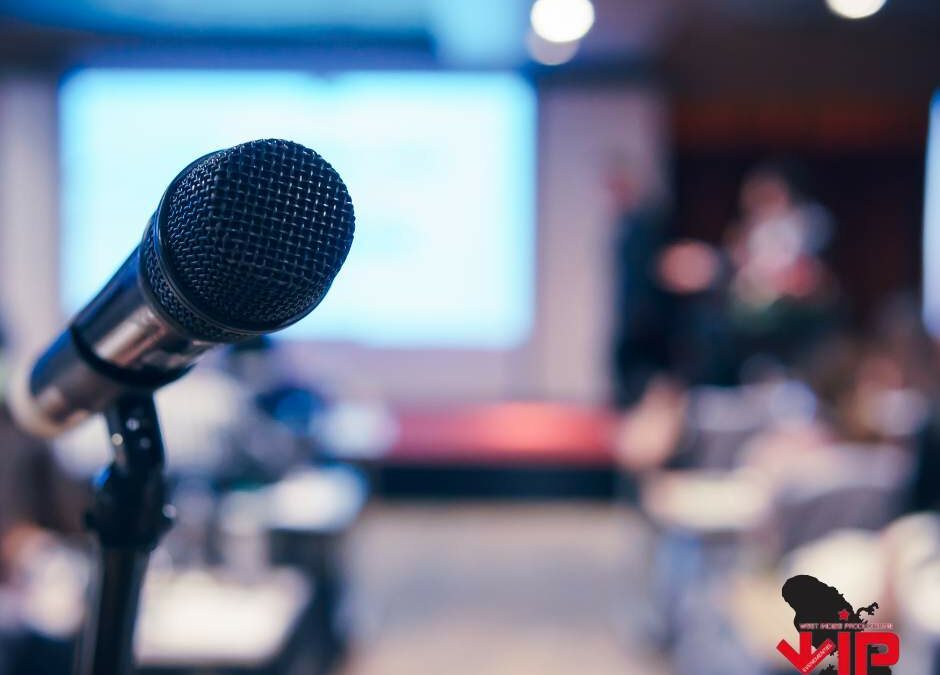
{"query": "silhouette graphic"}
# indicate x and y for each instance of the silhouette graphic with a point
(870, 611)
(816, 602)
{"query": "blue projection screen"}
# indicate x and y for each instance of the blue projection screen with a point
(440, 166)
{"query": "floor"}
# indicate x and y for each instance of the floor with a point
(492, 589)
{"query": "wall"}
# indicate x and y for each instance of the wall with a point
(28, 210)
(583, 130)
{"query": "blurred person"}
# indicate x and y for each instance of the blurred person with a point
(877, 383)
(642, 310)
(671, 330)
(694, 275)
(698, 351)
(782, 292)
(900, 328)
(910, 406)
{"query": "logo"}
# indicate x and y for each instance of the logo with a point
(831, 629)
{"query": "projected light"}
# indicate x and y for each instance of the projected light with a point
(440, 167)
(855, 9)
(562, 20)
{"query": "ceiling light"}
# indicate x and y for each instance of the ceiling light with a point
(562, 20)
(855, 9)
(550, 53)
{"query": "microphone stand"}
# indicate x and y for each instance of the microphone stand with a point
(128, 516)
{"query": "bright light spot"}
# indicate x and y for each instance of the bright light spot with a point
(550, 53)
(855, 9)
(562, 20)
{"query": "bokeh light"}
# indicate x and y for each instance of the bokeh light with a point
(855, 9)
(550, 53)
(562, 20)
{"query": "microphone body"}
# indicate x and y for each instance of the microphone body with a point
(118, 341)
(210, 270)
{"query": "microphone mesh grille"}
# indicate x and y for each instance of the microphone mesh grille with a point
(253, 237)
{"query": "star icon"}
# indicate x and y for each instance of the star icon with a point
(844, 615)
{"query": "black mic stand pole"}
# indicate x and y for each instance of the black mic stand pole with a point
(129, 515)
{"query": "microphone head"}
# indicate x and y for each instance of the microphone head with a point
(248, 240)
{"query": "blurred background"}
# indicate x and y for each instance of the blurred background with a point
(640, 319)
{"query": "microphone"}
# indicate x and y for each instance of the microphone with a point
(244, 241)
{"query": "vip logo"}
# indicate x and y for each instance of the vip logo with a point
(828, 625)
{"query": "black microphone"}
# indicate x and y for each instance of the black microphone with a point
(245, 241)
